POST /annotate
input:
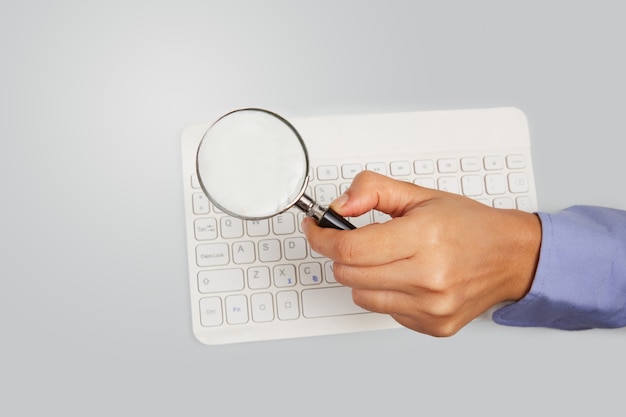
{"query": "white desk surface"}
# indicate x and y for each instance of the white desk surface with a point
(94, 305)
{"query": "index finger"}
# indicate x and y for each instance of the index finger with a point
(370, 190)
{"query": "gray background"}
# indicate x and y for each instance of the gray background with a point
(94, 304)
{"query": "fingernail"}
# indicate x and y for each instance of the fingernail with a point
(303, 224)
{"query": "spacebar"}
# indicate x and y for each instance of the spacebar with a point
(325, 302)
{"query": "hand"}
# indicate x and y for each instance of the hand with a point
(442, 260)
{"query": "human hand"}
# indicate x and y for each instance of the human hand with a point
(442, 260)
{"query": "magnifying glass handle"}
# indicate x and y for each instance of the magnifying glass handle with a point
(331, 219)
(324, 216)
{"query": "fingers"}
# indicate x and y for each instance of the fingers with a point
(403, 274)
(374, 244)
(438, 327)
(378, 243)
(426, 313)
(441, 261)
(374, 191)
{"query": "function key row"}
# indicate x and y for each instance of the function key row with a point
(419, 167)
(423, 166)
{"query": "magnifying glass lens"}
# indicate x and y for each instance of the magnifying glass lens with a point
(253, 164)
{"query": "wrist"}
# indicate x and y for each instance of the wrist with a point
(526, 250)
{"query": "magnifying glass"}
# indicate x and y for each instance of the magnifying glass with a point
(252, 164)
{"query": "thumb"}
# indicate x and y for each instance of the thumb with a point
(370, 190)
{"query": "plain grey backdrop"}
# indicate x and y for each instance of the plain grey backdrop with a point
(94, 304)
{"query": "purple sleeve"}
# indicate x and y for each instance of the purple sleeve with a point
(580, 281)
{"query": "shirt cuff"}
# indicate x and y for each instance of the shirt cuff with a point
(579, 282)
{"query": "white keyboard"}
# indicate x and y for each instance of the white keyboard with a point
(259, 280)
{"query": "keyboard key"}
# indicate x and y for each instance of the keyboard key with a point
(231, 227)
(287, 305)
(523, 203)
(518, 182)
(205, 229)
(493, 162)
(504, 203)
(258, 277)
(295, 248)
(262, 307)
(349, 171)
(211, 311)
(472, 185)
(325, 193)
(284, 275)
(449, 184)
(200, 203)
(470, 164)
(269, 250)
(310, 273)
(327, 173)
(284, 224)
(236, 309)
(447, 165)
(258, 227)
(332, 301)
(400, 168)
(495, 183)
(220, 280)
(424, 166)
(212, 254)
(243, 252)
(515, 161)
(378, 167)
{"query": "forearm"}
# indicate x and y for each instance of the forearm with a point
(580, 281)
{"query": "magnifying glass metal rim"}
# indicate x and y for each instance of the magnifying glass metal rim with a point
(305, 180)
(325, 216)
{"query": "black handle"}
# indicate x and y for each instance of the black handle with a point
(332, 219)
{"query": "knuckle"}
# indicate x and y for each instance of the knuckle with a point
(378, 301)
(364, 176)
(437, 285)
(442, 280)
(364, 299)
(436, 328)
(446, 329)
(445, 305)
